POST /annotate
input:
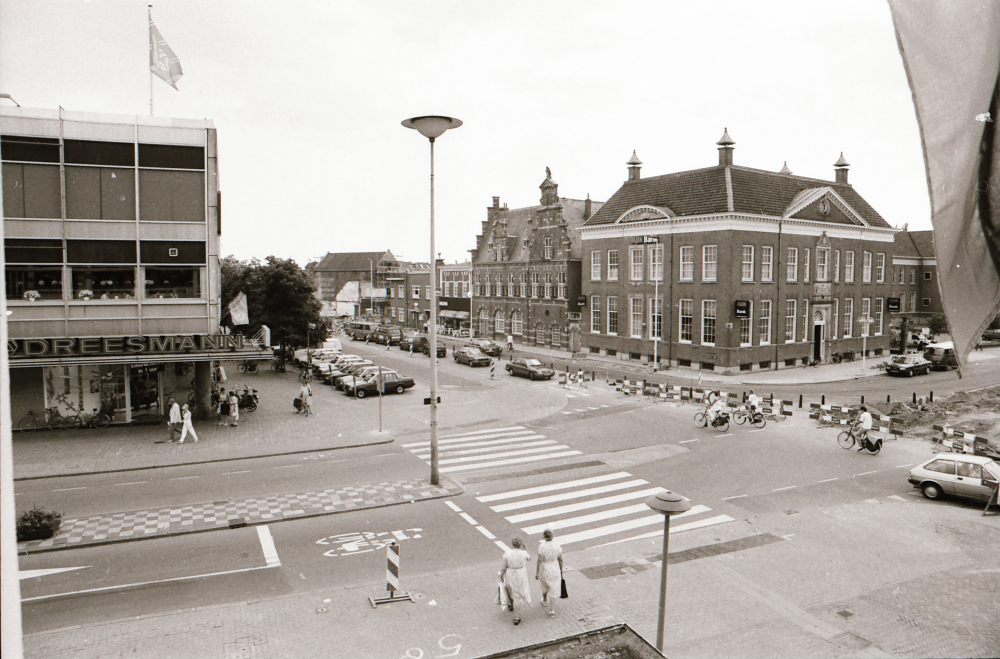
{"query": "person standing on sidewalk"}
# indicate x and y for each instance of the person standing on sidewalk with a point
(188, 426)
(223, 404)
(514, 575)
(549, 570)
(174, 420)
(234, 408)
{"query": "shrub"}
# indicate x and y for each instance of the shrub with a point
(36, 523)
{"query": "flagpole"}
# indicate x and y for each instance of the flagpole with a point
(149, 14)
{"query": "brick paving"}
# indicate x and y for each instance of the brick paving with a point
(135, 525)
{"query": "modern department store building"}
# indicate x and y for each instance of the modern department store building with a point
(111, 242)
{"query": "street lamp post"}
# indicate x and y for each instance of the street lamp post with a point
(866, 323)
(433, 127)
(666, 503)
(309, 367)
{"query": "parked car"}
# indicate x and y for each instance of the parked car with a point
(941, 355)
(391, 383)
(301, 357)
(423, 344)
(471, 356)
(406, 340)
(359, 330)
(364, 373)
(387, 335)
(488, 347)
(908, 365)
(956, 474)
(529, 368)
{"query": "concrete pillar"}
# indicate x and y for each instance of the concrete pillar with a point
(203, 389)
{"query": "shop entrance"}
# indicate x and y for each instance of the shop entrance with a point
(144, 391)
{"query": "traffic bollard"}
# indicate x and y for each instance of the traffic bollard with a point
(800, 400)
(914, 398)
(862, 400)
(822, 399)
(931, 399)
(888, 399)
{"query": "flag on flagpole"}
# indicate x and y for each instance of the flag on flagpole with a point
(238, 310)
(162, 60)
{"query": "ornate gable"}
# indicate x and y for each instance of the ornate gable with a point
(823, 205)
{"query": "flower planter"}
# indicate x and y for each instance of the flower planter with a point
(37, 534)
(37, 524)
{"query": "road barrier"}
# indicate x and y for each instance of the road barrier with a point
(888, 429)
(391, 579)
(963, 442)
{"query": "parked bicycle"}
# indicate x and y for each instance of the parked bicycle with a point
(847, 356)
(277, 365)
(851, 436)
(247, 366)
(52, 421)
(743, 414)
(247, 398)
(96, 419)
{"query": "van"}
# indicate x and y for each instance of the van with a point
(359, 330)
(333, 345)
(941, 355)
(387, 335)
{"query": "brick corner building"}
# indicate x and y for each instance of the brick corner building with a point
(760, 270)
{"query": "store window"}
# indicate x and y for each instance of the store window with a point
(39, 282)
(173, 282)
(103, 282)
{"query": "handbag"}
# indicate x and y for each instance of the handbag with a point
(564, 594)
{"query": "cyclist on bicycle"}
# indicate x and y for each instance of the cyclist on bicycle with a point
(753, 402)
(865, 424)
(714, 407)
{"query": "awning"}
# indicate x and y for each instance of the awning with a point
(448, 313)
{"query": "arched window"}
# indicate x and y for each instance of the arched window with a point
(516, 324)
(499, 323)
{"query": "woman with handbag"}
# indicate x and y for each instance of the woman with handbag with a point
(514, 576)
(549, 570)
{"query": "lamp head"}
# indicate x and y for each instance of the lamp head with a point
(668, 503)
(432, 126)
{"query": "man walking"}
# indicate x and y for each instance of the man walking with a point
(174, 421)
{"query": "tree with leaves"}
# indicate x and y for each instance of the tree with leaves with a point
(279, 295)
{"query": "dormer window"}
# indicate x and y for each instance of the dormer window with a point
(548, 249)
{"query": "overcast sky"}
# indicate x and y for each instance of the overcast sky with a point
(308, 98)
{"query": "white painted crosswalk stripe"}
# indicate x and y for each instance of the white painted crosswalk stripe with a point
(471, 451)
(554, 486)
(494, 447)
(509, 461)
(604, 514)
(552, 498)
(506, 454)
(488, 442)
(583, 505)
(481, 434)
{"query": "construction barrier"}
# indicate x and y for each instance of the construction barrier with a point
(391, 579)
(883, 423)
(963, 442)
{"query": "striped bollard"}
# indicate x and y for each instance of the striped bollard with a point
(493, 368)
(391, 579)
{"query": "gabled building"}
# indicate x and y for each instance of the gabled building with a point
(353, 283)
(526, 270)
(915, 273)
(730, 268)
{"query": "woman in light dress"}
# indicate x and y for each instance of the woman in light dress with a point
(549, 570)
(514, 576)
(188, 427)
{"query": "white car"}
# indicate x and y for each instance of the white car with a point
(957, 474)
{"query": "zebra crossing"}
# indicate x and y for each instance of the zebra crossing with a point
(608, 508)
(495, 447)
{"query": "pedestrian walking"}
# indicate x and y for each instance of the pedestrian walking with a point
(234, 408)
(223, 406)
(305, 395)
(514, 576)
(188, 426)
(549, 570)
(510, 347)
(174, 420)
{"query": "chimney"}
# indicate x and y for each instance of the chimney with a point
(586, 208)
(840, 168)
(633, 167)
(496, 202)
(725, 149)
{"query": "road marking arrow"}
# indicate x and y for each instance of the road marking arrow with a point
(32, 574)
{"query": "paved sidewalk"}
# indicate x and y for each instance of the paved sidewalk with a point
(142, 524)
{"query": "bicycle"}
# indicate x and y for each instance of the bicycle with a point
(847, 439)
(721, 420)
(247, 366)
(742, 415)
(53, 421)
(838, 357)
(95, 419)
(278, 366)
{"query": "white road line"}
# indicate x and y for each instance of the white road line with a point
(738, 496)
(453, 506)
(828, 480)
(576, 494)
(904, 466)
(758, 430)
(896, 496)
(499, 543)
(286, 467)
(604, 406)
(183, 478)
(579, 410)
(324, 462)
(509, 461)
(495, 442)
(866, 473)
(583, 505)
(468, 518)
(35, 574)
(728, 434)
(607, 514)
(486, 533)
(519, 434)
(69, 489)
(132, 483)
(688, 441)
(267, 544)
(245, 471)
(593, 408)
(506, 454)
(790, 487)
(488, 449)
(555, 486)
(567, 412)
(710, 521)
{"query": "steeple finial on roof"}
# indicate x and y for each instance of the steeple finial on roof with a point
(841, 162)
(726, 140)
(634, 160)
(784, 169)
(634, 165)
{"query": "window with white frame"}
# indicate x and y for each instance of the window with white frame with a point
(686, 316)
(392, 292)
(849, 267)
(595, 314)
(748, 263)
(767, 263)
(547, 249)
(708, 315)
(613, 315)
(746, 328)
(656, 263)
(880, 268)
(913, 301)
(534, 284)
(836, 317)
(635, 317)
(487, 287)
(710, 263)
(499, 322)
(793, 264)
(848, 317)
(806, 266)
(548, 286)
(866, 268)
(595, 265)
(764, 327)
(499, 285)
(866, 312)
(427, 292)
(805, 320)
(913, 275)
(836, 266)
(879, 302)
(516, 324)
(612, 265)
(655, 318)
(687, 264)
(635, 262)
(822, 264)
(401, 291)
(416, 292)
(790, 319)
(561, 285)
